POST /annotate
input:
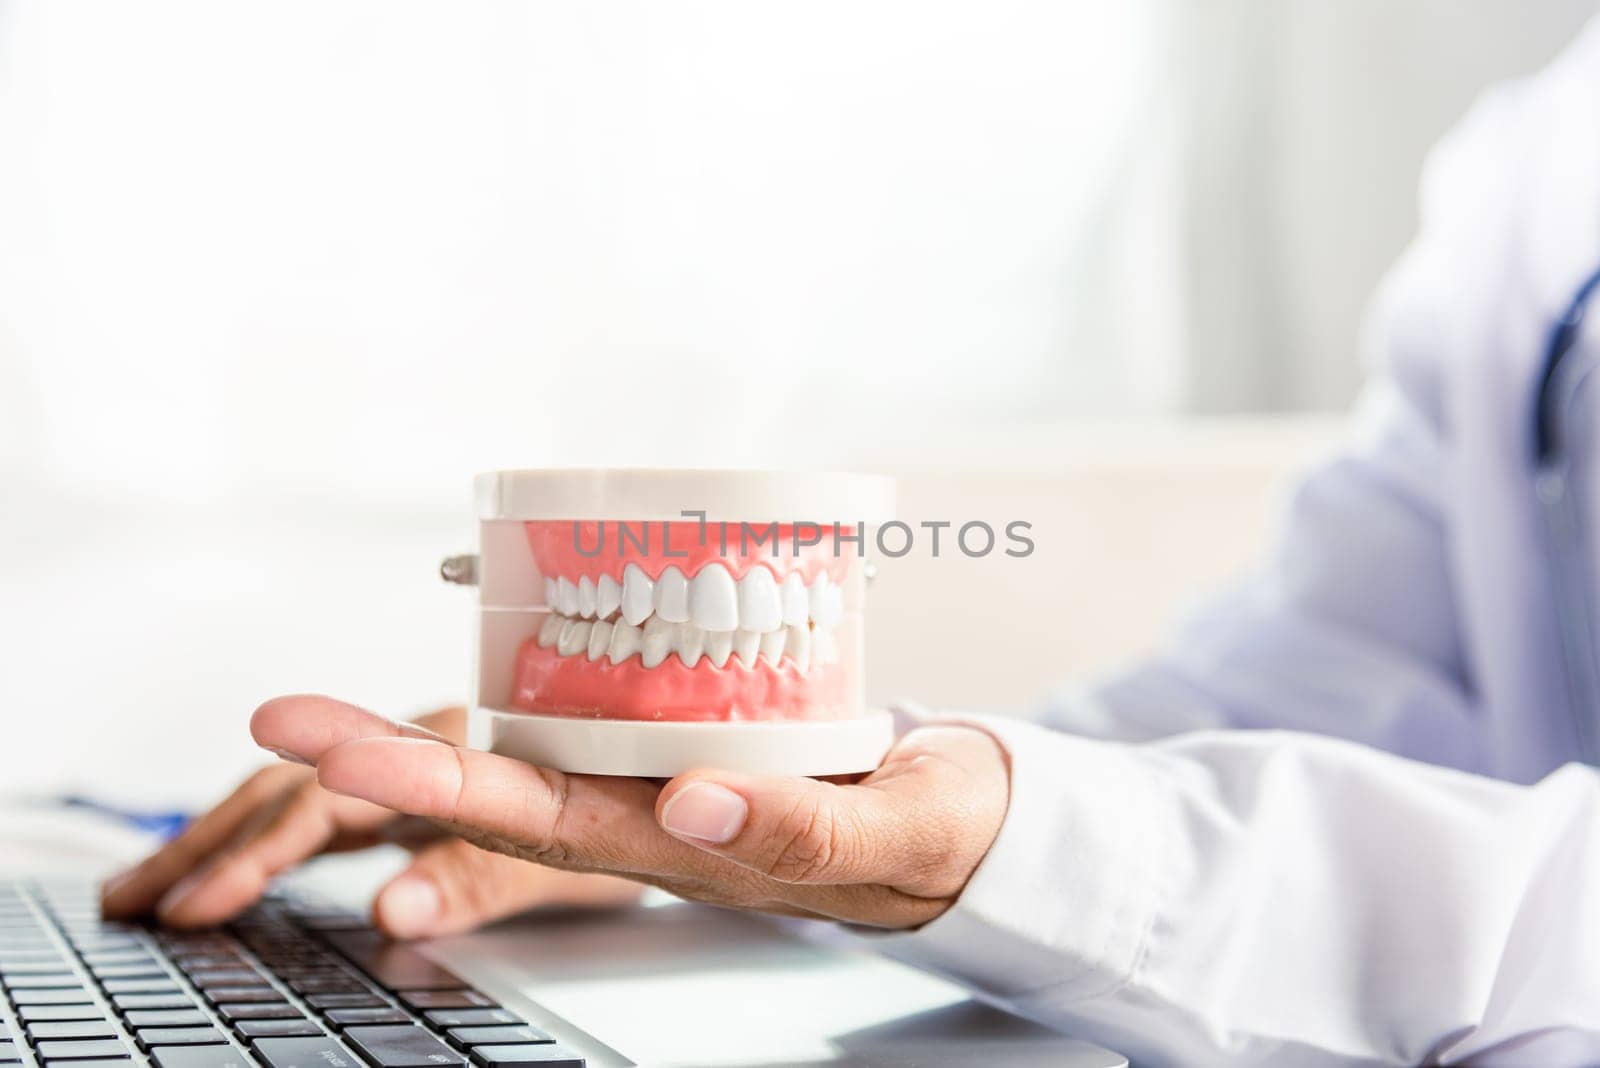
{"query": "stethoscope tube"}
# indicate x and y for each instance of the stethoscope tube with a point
(1570, 556)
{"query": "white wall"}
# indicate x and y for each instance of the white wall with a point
(1300, 127)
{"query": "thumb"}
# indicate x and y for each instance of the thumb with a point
(920, 823)
(790, 829)
(453, 886)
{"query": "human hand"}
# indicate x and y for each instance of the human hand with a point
(223, 861)
(892, 850)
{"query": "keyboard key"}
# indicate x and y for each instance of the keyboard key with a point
(326, 984)
(109, 957)
(546, 1055)
(205, 977)
(167, 1018)
(146, 970)
(200, 1057)
(50, 997)
(194, 962)
(278, 1028)
(174, 1000)
(92, 1063)
(151, 1037)
(345, 1001)
(8, 1052)
(140, 986)
(400, 1047)
(309, 971)
(300, 1053)
(82, 1011)
(15, 957)
(42, 966)
(79, 1050)
(91, 925)
(445, 999)
(72, 1029)
(256, 1010)
(388, 1014)
(392, 965)
(467, 1037)
(47, 981)
(447, 1018)
(105, 945)
(241, 994)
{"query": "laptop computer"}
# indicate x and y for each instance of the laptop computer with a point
(302, 981)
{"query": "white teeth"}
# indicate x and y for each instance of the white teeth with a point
(719, 646)
(796, 605)
(625, 641)
(672, 596)
(824, 646)
(691, 643)
(637, 594)
(574, 636)
(759, 605)
(798, 647)
(746, 644)
(607, 597)
(826, 602)
(599, 640)
(656, 641)
(713, 616)
(772, 645)
(566, 597)
(714, 599)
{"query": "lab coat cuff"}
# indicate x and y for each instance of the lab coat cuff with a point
(1067, 895)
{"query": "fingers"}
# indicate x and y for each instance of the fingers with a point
(188, 881)
(454, 886)
(920, 824)
(307, 725)
(567, 821)
(893, 849)
(302, 824)
(136, 891)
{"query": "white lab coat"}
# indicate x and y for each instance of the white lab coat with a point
(1341, 820)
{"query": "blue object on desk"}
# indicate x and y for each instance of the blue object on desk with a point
(167, 824)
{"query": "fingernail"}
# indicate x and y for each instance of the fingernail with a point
(409, 905)
(288, 757)
(115, 883)
(416, 730)
(705, 811)
(181, 890)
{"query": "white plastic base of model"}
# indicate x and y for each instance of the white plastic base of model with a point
(662, 750)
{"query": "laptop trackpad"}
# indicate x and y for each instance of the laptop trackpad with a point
(686, 985)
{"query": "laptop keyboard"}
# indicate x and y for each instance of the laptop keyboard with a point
(291, 984)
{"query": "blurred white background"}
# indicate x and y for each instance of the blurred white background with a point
(276, 279)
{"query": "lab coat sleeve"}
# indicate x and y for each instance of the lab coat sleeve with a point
(1265, 897)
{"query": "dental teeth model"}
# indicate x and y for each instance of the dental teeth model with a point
(619, 637)
(720, 616)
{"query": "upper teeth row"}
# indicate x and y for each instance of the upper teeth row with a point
(658, 639)
(712, 600)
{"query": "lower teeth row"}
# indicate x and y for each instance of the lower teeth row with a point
(658, 639)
